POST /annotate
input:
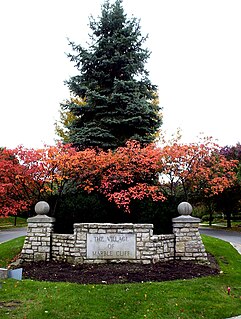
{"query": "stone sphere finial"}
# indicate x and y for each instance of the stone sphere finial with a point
(42, 208)
(184, 208)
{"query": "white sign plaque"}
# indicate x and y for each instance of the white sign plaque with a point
(111, 246)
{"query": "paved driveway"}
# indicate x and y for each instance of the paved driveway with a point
(8, 234)
(230, 236)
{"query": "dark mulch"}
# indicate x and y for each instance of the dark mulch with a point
(118, 273)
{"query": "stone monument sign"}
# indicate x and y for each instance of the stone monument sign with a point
(111, 246)
(104, 242)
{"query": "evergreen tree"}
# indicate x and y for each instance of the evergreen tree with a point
(120, 99)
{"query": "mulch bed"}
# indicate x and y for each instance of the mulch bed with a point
(118, 273)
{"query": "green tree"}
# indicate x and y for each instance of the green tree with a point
(66, 117)
(229, 201)
(121, 102)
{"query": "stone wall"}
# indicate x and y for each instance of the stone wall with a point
(37, 245)
(96, 243)
(99, 243)
(188, 243)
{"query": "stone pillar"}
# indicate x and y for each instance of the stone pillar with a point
(188, 242)
(38, 242)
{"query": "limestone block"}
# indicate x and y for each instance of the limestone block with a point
(39, 230)
(180, 246)
(78, 260)
(45, 239)
(146, 254)
(28, 251)
(29, 234)
(159, 251)
(27, 246)
(32, 225)
(138, 254)
(145, 237)
(81, 236)
(126, 231)
(111, 231)
(185, 230)
(197, 255)
(72, 250)
(144, 230)
(101, 231)
(93, 231)
(31, 239)
(165, 248)
(80, 245)
(42, 249)
(150, 226)
(40, 234)
(146, 262)
(40, 257)
(149, 245)
(193, 234)
(44, 243)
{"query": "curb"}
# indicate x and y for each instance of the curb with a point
(238, 248)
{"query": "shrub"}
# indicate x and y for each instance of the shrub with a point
(81, 207)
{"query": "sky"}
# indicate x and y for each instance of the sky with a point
(195, 62)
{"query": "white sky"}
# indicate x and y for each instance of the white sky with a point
(195, 61)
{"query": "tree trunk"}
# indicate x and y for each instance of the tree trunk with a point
(210, 218)
(228, 215)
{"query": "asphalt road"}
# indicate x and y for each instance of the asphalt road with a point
(230, 236)
(8, 234)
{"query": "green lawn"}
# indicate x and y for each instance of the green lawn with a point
(197, 298)
(9, 249)
(9, 222)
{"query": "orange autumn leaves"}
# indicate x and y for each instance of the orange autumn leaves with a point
(197, 167)
(130, 172)
(11, 196)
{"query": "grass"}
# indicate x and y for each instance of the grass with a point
(9, 249)
(9, 222)
(181, 299)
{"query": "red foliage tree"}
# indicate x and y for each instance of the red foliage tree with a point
(127, 173)
(29, 175)
(130, 172)
(14, 196)
(197, 167)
